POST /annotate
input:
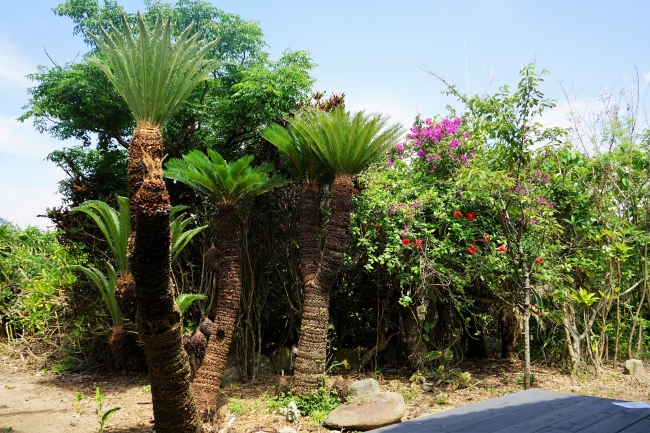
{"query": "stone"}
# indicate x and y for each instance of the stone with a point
(282, 360)
(362, 387)
(231, 374)
(291, 413)
(426, 387)
(367, 412)
(286, 430)
(633, 367)
(265, 368)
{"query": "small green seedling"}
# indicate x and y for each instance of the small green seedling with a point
(103, 416)
(78, 399)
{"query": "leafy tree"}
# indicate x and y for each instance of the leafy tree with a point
(228, 185)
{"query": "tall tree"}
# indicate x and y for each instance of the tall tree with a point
(345, 144)
(228, 185)
(155, 74)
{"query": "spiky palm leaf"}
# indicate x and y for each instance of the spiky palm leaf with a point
(184, 300)
(115, 225)
(153, 73)
(347, 143)
(106, 287)
(297, 148)
(225, 183)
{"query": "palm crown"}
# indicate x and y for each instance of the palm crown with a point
(226, 183)
(153, 73)
(297, 148)
(343, 142)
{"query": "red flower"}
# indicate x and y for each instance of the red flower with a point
(355, 191)
(377, 226)
(486, 238)
(418, 243)
(457, 214)
(502, 249)
(539, 260)
(470, 216)
(406, 241)
(472, 249)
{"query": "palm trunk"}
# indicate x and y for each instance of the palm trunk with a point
(415, 345)
(308, 232)
(312, 347)
(158, 317)
(208, 377)
(145, 140)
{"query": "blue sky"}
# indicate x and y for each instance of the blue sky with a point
(374, 51)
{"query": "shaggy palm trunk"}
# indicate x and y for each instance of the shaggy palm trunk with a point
(311, 357)
(308, 232)
(125, 295)
(158, 317)
(510, 330)
(208, 377)
(146, 140)
(415, 345)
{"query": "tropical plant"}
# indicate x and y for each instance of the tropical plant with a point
(345, 144)
(155, 74)
(228, 185)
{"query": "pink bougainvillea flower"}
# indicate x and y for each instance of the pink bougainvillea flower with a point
(457, 214)
(502, 249)
(472, 249)
(406, 241)
(454, 143)
(540, 260)
(418, 243)
(470, 216)
(389, 163)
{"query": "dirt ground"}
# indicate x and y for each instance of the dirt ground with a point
(33, 401)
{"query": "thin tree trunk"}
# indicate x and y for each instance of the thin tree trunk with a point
(618, 315)
(527, 289)
(312, 346)
(633, 328)
(308, 232)
(158, 317)
(208, 377)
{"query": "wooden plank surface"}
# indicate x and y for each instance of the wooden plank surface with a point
(531, 411)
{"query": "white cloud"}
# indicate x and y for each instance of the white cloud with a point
(21, 139)
(13, 67)
(646, 78)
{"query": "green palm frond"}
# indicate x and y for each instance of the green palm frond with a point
(106, 287)
(180, 237)
(154, 73)
(297, 148)
(225, 183)
(115, 225)
(348, 143)
(184, 300)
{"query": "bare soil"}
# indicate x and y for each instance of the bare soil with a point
(33, 401)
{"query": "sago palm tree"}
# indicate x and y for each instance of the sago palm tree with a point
(155, 74)
(346, 144)
(298, 151)
(227, 185)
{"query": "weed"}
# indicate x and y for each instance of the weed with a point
(237, 406)
(103, 416)
(319, 404)
(9, 386)
(78, 399)
(520, 379)
(442, 400)
(8, 429)
(409, 393)
(146, 388)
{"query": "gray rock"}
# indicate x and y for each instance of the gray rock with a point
(367, 412)
(633, 367)
(426, 387)
(362, 387)
(231, 374)
(265, 368)
(286, 430)
(282, 359)
(291, 413)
